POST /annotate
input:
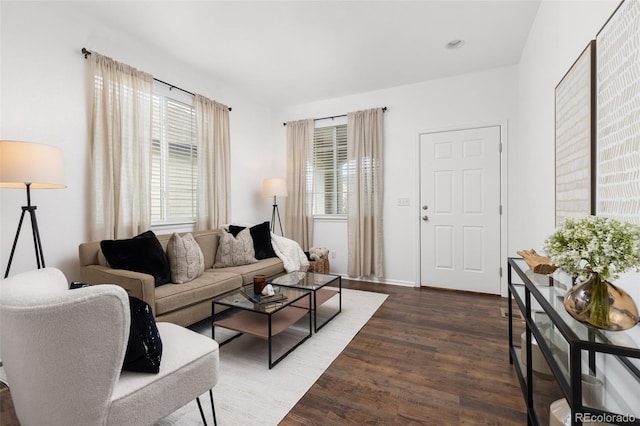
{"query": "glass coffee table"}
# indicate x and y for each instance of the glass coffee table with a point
(324, 287)
(264, 320)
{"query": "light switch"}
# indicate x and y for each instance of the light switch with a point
(404, 201)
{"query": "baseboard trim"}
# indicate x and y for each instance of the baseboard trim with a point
(380, 281)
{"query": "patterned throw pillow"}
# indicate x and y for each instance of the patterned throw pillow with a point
(185, 258)
(235, 251)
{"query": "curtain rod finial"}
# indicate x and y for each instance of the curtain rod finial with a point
(85, 52)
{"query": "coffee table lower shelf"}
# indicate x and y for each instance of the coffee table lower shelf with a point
(265, 326)
(257, 325)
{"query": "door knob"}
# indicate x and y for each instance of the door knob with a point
(425, 207)
(425, 218)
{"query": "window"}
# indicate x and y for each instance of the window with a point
(329, 172)
(174, 161)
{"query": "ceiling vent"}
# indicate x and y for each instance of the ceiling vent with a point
(455, 44)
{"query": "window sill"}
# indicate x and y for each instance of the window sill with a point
(166, 228)
(330, 218)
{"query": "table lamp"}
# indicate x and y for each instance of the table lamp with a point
(31, 166)
(275, 187)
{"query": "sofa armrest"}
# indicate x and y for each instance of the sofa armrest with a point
(138, 284)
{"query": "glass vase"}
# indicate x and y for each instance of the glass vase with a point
(601, 304)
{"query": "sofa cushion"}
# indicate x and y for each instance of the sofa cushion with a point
(142, 253)
(185, 258)
(261, 236)
(235, 251)
(266, 267)
(208, 242)
(212, 283)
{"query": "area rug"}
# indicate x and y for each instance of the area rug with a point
(248, 393)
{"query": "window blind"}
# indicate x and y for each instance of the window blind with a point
(329, 170)
(174, 162)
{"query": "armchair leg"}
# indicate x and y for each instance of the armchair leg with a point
(201, 412)
(213, 410)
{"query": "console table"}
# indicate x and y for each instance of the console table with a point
(573, 354)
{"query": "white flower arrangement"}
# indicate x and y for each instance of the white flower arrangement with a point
(594, 243)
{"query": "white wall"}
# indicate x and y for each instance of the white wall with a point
(44, 99)
(561, 31)
(1, 80)
(478, 98)
(523, 96)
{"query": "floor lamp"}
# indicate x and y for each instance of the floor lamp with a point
(275, 188)
(31, 166)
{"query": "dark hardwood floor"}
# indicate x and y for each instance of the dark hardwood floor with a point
(427, 356)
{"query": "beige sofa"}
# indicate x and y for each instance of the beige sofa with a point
(182, 304)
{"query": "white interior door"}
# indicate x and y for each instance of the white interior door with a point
(460, 209)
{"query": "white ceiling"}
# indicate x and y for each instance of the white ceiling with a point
(290, 52)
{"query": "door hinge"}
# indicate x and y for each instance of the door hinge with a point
(500, 209)
(501, 272)
(500, 147)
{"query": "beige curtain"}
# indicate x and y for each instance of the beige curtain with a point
(365, 141)
(298, 216)
(213, 141)
(120, 151)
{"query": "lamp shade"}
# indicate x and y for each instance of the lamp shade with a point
(37, 164)
(274, 187)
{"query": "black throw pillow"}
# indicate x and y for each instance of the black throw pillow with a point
(142, 253)
(261, 235)
(235, 230)
(144, 350)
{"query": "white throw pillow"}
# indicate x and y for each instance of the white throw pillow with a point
(235, 251)
(185, 258)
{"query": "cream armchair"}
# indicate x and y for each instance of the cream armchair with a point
(63, 350)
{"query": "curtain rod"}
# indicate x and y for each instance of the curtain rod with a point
(86, 53)
(334, 116)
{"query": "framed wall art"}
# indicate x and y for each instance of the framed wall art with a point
(575, 107)
(618, 112)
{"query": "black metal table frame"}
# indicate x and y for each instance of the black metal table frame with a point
(572, 389)
(314, 304)
(269, 315)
